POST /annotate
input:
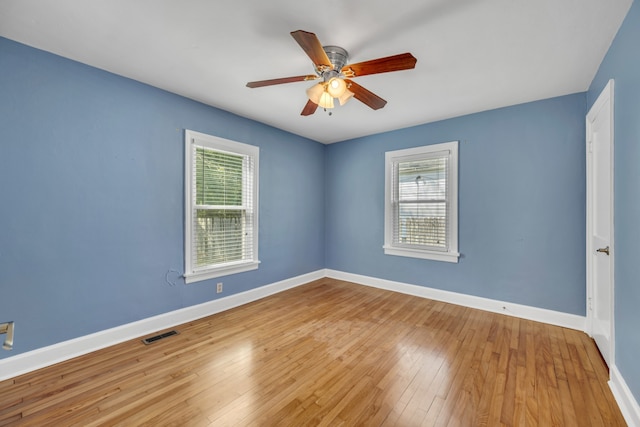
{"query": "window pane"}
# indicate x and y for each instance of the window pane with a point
(219, 236)
(422, 224)
(421, 216)
(423, 179)
(218, 178)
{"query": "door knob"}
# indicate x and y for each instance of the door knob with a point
(603, 250)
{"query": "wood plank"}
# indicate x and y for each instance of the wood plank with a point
(329, 353)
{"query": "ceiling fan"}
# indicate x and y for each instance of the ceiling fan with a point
(329, 63)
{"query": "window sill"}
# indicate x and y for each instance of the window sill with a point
(414, 253)
(226, 270)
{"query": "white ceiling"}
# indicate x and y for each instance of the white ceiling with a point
(473, 55)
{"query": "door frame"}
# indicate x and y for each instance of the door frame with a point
(607, 95)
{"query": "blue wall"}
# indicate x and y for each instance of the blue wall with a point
(622, 64)
(92, 207)
(521, 205)
(91, 213)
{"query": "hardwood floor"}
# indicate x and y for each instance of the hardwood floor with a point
(329, 353)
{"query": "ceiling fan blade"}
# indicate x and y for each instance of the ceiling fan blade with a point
(404, 61)
(271, 82)
(365, 96)
(313, 48)
(309, 109)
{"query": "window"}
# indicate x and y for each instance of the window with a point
(221, 207)
(421, 202)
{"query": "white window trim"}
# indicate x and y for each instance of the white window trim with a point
(191, 273)
(452, 254)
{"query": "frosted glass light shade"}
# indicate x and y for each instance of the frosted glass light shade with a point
(315, 92)
(345, 96)
(326, 100)
(336, 87)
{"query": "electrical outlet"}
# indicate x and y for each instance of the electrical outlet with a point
(219, 288)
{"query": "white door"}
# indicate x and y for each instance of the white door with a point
(600, 222)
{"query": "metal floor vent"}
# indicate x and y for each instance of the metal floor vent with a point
(155, 338)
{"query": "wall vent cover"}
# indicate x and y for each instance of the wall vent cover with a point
(155, 338)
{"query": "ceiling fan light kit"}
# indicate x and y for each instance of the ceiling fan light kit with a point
(323, 94)
(329, 64)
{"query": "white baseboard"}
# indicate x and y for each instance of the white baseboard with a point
(30, 361)
(626, 401)
(565, 320)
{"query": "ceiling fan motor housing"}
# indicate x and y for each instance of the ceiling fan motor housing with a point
(338, 57)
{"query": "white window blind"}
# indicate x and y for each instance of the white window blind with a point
(421, 202)
(222, 207)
